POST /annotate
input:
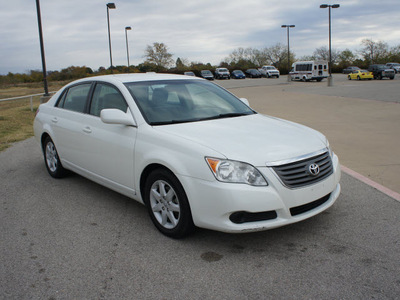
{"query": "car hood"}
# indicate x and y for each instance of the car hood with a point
(256, 139)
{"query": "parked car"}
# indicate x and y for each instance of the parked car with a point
(349, 70)
(269, 71)
(394, 66)
(189, 73)
(253, 73)
(222, 73)
(238, 74)
(189, 150)
(360, 74)
(207, 74)
(381, 71)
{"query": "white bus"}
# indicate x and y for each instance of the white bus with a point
(309, 70)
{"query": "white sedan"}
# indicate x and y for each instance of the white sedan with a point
(189, 150)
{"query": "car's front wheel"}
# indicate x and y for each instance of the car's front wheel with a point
(167, 204)
(52, 160)
(349, 77)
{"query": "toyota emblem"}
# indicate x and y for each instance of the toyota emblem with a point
(313, 169)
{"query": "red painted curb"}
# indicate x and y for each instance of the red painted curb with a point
(381, 188)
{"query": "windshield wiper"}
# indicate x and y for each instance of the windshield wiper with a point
(220, 116)
(228, 115)
(175, 121)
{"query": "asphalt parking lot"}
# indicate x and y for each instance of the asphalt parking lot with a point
(74, 239)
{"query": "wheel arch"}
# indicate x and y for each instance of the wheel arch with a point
(145, 174)
(43, 138)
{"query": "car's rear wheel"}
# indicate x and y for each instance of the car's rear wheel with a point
(167, 204)
(52, 160)
(358, 77)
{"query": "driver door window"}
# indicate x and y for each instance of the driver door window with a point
(106, 96)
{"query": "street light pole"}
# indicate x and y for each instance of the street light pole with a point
(288, 47)
(126, 38)
(46, 89)
(330, 81)
(110, 6)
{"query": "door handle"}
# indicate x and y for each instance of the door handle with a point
(87, 129)
(54, 120)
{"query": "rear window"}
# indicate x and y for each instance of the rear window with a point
(75, 98)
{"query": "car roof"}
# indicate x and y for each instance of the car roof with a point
(137, 77)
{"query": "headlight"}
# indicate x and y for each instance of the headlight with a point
(235, 172)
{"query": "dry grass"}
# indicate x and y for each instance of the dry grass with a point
(24, 89)
(16, 117)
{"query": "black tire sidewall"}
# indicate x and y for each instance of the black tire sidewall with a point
(185, 224)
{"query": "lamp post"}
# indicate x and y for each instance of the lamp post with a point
(288, 47)
(126, 38)
(46, 89)
(110, 6)
(330, 80)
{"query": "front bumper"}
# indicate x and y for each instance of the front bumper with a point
(213, 203)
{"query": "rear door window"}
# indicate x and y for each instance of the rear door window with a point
(75, 98)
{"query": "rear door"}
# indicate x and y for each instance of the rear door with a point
(66, 121)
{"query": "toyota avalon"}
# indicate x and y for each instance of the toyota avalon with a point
(192, 152)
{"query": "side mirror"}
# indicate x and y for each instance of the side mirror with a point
(245, 101)
(116, 116)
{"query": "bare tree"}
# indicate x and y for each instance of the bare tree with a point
(374, 52)
(322, 53)
(276, 55)
(158, 54)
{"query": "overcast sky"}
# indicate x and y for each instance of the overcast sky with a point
(75, 31)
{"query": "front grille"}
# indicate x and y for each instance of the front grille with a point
(294, 211)
(297, 174)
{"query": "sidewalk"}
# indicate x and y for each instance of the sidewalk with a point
(365, 134)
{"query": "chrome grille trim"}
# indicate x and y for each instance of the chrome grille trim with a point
(295, 174)
(294, 159)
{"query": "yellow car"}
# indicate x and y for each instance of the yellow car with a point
(360, 74)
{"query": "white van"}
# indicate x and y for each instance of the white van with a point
(309, 70)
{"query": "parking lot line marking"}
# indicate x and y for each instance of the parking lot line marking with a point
(375, 185)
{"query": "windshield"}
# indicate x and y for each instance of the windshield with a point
(206, 72)
(178, 101)
(223, 70)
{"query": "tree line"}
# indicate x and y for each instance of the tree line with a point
(159, 59)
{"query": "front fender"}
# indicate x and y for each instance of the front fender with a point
(180, 156)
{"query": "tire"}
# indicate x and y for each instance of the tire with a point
(380, 77)
(52, 160)
(167, 204)
(358, 77)
(391, 78)
(349, 77)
